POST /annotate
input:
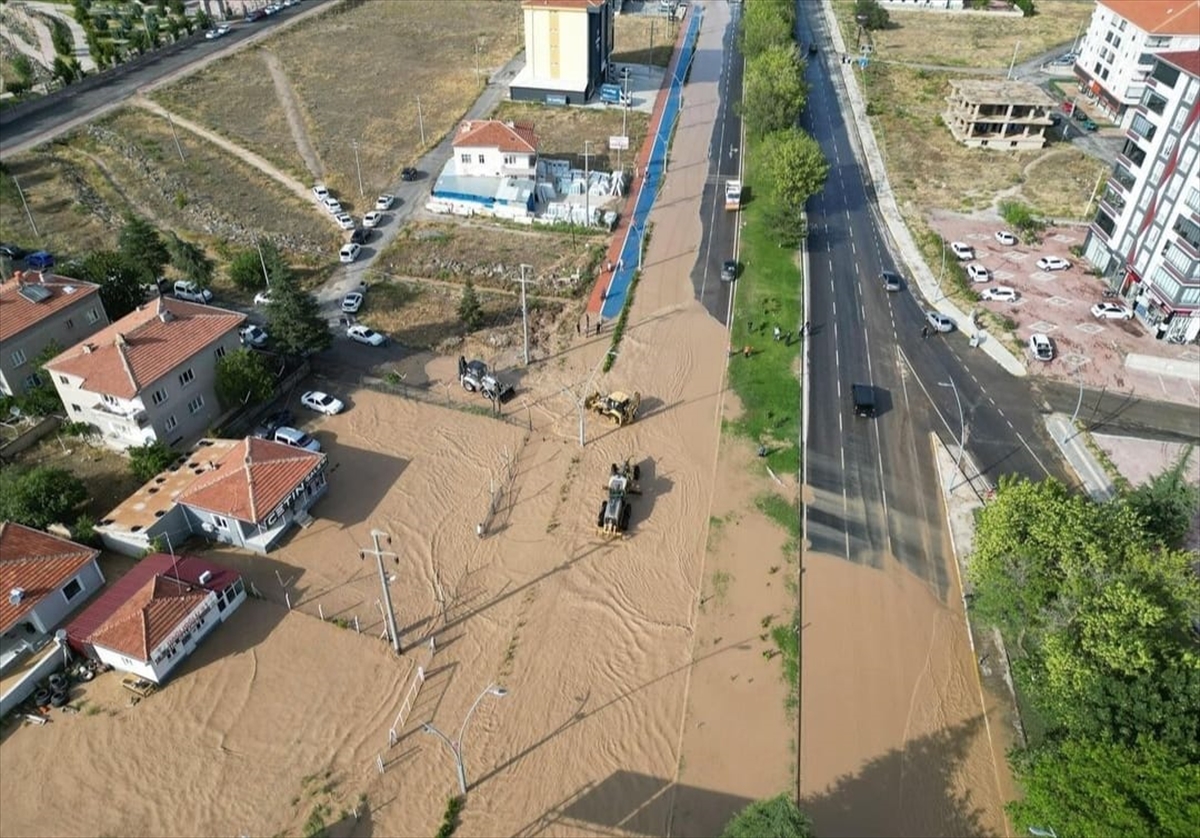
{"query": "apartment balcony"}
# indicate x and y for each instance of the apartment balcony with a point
(1114, 202)
(137, 414)
(1123, 179)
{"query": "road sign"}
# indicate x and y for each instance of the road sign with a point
(618, 143)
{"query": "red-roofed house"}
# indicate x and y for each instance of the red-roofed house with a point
(155, 615)
(43, 578)
(244, 492)
(493, 148)
(1117, 53)
(568, 47)
(149, 376)
(38, 310)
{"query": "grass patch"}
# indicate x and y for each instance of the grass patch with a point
(720, 585)
(768, 293)
(644, 39)
(562, 131)
(787, 642)
(781, 511)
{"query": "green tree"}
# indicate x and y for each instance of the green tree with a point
(469, 307)
(21, 79)
(203, 21)
(767, 24)
(190, 260)
(64, 70)
(295, 321)
(778, 817)
(61, 37)
(795, 167)
(119, 279)
(246, 269)
(1027, 7)
(871, 15)
(1167, 503)
(774, 90)
(145, 461)
(177, 8)
(143, 246)
(43, 399)
(243, 378)
(39, 496)
(1105, 788)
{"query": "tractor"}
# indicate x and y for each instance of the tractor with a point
(613, 518)
(475, 377)
(619, 408)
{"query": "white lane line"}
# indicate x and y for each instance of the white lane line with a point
(1036, 458)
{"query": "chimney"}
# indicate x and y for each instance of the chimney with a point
(166, 315)
(88, 349)
(119, 340)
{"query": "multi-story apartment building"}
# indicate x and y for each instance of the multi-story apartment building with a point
(1117, 53)
(1146, 234)
(149, 376)
(38, 310)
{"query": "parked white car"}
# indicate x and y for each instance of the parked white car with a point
(1041, 347)
(372, 219)
(352, 302)
(252, 335)
(978, 273)
(999, 294)
(332, 204)
(1053, 263)
(362, 334)
(321, 191)
(344, 220)
(349, 252)
(1006, 238)
(962, 250)
(384, 202)
(1111, 311)
(322, 403)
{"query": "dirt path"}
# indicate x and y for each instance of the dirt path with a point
(291, 107)
(299, 189)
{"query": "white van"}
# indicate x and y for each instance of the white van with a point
(296, 439)
(193, 293)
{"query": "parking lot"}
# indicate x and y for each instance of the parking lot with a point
(1101, 353)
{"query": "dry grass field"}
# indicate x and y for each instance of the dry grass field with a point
(356, 73)
(644, 39)
(79, 188)
(562, 131)
(976, 40)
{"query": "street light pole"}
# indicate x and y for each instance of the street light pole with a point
(376, 535)
(587, 385)
(525, 313)
(1013, 63)
(962, 428)
(263, 262)
(361, 193)
(421, 121)
(456, 747)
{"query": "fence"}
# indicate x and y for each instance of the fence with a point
(439, 394)
(29, 436)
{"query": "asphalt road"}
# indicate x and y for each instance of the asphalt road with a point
(720, 237)
(40, 120)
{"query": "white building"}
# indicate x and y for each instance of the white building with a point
(493, 148)
(1117, 53)
(149, 376)
(1146, 234)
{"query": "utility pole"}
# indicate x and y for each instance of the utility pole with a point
(383, 581)
(25, 204)
(624, 110)
(421, 121)
(171, 122)
(1012, 63)
(962, 427)
(525, 312)
(587, 185)
(358, 167)
(263, 262)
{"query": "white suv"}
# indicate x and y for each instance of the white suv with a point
(349, 252)
(978, 273)
(296, 439)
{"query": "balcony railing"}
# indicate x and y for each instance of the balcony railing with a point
(1122, 178)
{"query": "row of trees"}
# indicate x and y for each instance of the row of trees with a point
(1102, 610)
(773, 95)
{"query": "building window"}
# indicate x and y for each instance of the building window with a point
(159, 396)
(1104, 74)
(33, 380)
(92, 316)
(69, 322)
(109, 399)
(1096, 69)
(1165, 285)
(464, 158)
(72, 589)
(1190, 297)
(77, 408)
(195, 404)
(1121, 25)
(510, 160)
(186, 377)
(171, 424)
(220, 353)
(220, 522)
(1133, 152)
(1105, 224)
(18, 357)
(62, 379)
(1165, 74)
(482, 159)
(1188, 231)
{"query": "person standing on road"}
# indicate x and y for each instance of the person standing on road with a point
(924, 331)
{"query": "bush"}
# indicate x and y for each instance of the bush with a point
(450, 819)
(39, 496)
(147, 460)
(469, 307)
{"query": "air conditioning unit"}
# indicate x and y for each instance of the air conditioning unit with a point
(205, 577)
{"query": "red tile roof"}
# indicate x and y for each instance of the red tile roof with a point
(18, 314)
(183, 567)
(1189, 62)
(144, 345)
(36, 562)
(492, 133)
(1159, 17)
(253, 478)
(148, 617)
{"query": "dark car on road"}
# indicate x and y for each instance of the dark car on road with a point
(891, 281)
(864, 399)
(729, 270)
(408, 173)
(360, 235)
(273, 422)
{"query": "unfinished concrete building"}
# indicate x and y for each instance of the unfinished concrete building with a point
(1007, 115)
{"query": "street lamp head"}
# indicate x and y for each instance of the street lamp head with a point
(499, 692)
(427, 727)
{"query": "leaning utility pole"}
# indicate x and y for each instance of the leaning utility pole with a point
(525, 311)
(383, 581)
(361, 194)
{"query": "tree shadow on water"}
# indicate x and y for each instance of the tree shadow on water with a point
(911, 792)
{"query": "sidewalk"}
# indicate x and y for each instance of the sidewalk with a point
(1072, 442)
(902, 240)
